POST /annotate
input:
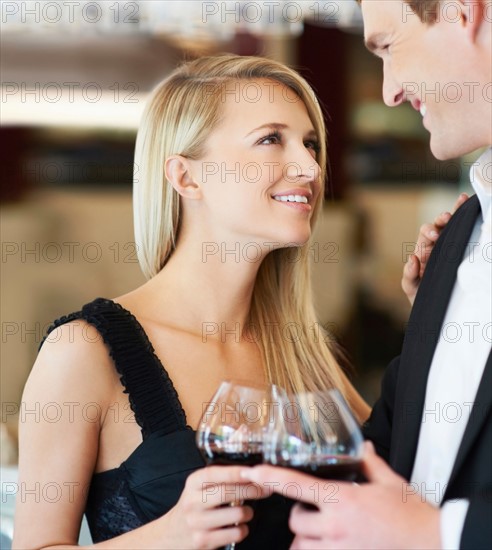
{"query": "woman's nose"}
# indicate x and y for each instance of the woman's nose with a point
(303, 167)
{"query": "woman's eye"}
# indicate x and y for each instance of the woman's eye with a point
(314, 145)
(271, 139)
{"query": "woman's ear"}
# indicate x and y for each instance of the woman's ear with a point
(178, 172)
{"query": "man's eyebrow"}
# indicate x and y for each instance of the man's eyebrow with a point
(374, 41)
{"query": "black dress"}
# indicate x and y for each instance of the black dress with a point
(150, 481)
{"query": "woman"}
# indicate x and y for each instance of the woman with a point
(230, 163)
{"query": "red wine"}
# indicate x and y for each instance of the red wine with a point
(341, 468)
(232, 459)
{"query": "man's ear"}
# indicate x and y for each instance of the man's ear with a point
(178, 172)
(474, 16)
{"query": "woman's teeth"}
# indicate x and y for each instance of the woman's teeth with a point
(423, 109)
(291, 198)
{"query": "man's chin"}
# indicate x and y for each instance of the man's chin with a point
(443, 152)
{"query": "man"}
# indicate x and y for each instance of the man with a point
(433, 422)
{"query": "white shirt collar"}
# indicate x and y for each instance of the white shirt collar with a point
(481, 180)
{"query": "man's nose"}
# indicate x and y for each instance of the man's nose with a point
(393, 94)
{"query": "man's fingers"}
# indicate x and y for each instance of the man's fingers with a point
(306, 543)
(375, 468)
(275, 477)
(216, 475)
(285, 481)
(219, 474)
(306, 522)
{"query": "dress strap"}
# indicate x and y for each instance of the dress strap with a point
(151, 393)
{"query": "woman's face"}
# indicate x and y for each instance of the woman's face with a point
(259, 175)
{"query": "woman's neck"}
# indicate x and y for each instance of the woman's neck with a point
(206, 289)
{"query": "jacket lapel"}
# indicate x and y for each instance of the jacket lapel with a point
(482, 407)
(422, 334)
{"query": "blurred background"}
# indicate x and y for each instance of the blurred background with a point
(75, 78)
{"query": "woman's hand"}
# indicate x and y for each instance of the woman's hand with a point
(203, 516)
(416, 263)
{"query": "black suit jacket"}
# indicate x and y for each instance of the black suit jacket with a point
(394, 424)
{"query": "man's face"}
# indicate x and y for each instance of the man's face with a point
(434, 67)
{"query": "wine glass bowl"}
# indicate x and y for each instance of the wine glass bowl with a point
(316, 433)
(236, 423)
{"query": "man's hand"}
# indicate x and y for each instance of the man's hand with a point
(384, 513)
(414, 269)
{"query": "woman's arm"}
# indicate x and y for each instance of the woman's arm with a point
(63, 409)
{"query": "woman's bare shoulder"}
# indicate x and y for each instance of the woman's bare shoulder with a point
(73, 361)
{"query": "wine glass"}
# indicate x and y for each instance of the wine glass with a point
(317, 434)
(236, 424)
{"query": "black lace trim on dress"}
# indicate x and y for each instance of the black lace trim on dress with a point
(152, 396)
(110, 508)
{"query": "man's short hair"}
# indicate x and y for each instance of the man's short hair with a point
(427, 10)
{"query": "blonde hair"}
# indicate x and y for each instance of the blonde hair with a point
(182, 112)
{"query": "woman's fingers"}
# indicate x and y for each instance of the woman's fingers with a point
(204, 513)
(441, 221)
(416, 263)
(227, 515)
(428, 235)
(223, 537)
(219, 538)
(461, 200)
(414, 268)
(411, 277)
(217, 485)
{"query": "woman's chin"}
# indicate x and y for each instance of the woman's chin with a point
(299, 238)
(288, 239)
(296, 241)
